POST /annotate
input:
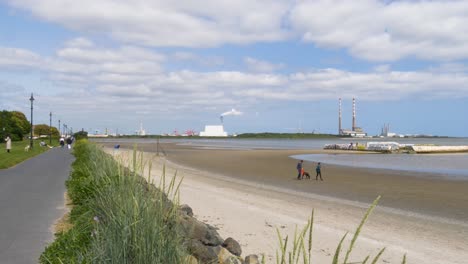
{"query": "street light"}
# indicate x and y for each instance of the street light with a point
(50, 130)
(60, 130)
(31, 138)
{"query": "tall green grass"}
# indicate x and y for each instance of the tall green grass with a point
(118, 216)
(300, 251)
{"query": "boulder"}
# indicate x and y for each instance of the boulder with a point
(204, 254)
(191, 228)
(251, 259)
(225, 257)
(191, 260)
(233, 246)
(186, 209)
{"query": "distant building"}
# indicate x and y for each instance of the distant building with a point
(213, 131)
(141, 132)
(357, 132)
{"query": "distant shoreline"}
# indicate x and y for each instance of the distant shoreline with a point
(280, 136)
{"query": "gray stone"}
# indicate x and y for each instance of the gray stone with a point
(193, 229)
(187, 209)
(251, 259)
(191, 260)
(204, 254)
(233, 246)
(225, 257)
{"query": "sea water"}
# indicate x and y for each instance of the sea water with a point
(454, 166)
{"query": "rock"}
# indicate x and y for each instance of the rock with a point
(193, 229)
(251, 259)
(187, 209)
(233, 246)
(225, 257)
(191, 260)
(204, 254)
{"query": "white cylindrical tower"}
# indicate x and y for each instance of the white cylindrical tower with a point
(339, 117)
(354, 114)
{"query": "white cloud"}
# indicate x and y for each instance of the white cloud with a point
(133, 79)
(14, 58)
(168, 23)
(257, 65)
(378, 31)
(373, 30)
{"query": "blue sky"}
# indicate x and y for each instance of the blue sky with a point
(281, 64)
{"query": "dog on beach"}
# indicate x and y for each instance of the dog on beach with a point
(306, 174)
(27, 148)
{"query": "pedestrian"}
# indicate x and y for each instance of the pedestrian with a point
(299, 169)
(8, 143)
(62, 142)
(318, 169)
(69, 142)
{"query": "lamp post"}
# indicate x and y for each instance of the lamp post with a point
(31, 138)
(50, 129)
(60, 131)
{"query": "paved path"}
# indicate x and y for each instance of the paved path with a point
(31, 199)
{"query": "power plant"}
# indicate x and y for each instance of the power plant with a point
(355, 130)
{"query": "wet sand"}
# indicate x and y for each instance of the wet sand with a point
(419, 193)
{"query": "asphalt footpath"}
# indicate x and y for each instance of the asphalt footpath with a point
(31, 200)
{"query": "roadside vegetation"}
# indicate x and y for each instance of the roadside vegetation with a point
(18, 153)
(117, 217)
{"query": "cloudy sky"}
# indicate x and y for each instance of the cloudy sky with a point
(282, 64)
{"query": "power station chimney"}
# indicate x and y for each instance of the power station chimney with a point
(354, 114)
(339, 117)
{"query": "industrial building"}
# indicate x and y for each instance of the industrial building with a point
(213, 131)
(355, 131)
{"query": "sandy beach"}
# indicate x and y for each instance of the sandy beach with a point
(248, 193)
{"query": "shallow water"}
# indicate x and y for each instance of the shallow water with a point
(454, 166)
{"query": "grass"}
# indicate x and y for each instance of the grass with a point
(300, 252)
(18, 154)
(117, 216)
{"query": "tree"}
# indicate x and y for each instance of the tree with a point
(44, 130)
(13, 123)
(80, 135)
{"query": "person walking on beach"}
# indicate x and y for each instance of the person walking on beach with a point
(8, 143)
(318, 169)
(299, 169)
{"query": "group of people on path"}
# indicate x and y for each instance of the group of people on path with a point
(301, 172)
(69, 141)
(62, 141)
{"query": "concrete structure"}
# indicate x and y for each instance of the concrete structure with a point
(213, 131)
(355, 131)
(354, 115)
(339, 118)
(141, 132)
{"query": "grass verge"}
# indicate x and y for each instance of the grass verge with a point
(18, 153)
(117, 216)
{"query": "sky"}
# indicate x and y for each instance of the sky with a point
(281, 65)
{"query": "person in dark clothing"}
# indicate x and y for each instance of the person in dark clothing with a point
(299, 169)
(319, 172)
(69, 142)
